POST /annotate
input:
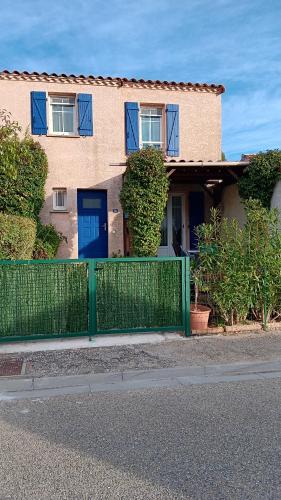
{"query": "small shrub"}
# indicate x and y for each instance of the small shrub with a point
(17, 237)
(144, 197)
(47, 242)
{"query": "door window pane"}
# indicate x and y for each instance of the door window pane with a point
(91, 203)
(177, 219)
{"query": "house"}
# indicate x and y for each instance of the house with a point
(88, 125)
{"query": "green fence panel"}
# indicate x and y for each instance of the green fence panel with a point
(43, 298)
(139, 294)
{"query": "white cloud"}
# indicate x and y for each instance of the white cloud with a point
(235, 43)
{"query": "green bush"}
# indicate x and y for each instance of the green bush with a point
(262, 241)
(23, 173)
(17, 237)
(47, 242)
(144, 197)
(241, 268)
(261, 176)
(23, 193)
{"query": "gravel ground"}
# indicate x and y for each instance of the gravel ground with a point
(182, 352)
(220, 441)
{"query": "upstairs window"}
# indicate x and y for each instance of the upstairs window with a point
(63, 115)
(151, 127)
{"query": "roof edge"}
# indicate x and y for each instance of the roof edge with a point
(110, 81)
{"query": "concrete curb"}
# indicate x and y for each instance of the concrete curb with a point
(33, 388)
(62, 344)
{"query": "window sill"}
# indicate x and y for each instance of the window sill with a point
(59, 211)
(72, 136)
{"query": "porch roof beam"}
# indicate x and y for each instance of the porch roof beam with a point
(179, 164)
(234, 175)
(226, 164)
(170, 172)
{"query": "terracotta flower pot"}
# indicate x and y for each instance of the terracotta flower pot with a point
(199, 317)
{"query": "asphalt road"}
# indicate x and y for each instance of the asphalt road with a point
(217, 441)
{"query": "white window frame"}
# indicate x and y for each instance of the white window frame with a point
(56, 207)
(151, 143)
(51, 131)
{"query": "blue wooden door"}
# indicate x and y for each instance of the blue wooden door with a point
(92, 224)
(196, 216)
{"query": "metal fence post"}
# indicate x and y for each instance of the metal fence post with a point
(187, 297)
(92, 298)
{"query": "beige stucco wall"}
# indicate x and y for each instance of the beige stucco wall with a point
(231, 204)
(276, 200)
(86, 162)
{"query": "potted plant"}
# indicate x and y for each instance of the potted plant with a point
(199, 314)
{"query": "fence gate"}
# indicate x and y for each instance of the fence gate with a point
(60, 298)
(140, 294)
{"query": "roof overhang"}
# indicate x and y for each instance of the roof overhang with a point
(111, 81)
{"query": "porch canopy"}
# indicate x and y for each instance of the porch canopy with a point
(212, 176)
(202, 172)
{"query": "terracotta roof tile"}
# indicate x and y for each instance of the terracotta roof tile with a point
(219, 89)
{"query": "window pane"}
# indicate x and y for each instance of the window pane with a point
(57, 121)
(151, 111)
(59, 199)
(155, 130)
(145, 129)
(63, 100)
(68, 119)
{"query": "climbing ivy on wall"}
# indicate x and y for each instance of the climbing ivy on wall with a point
(144, 197)
(261, 176)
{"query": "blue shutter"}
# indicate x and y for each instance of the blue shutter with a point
(38, 113)
(172, 121)
(85, 114)
(132, 126)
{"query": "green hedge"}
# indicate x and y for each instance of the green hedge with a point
(23, 194)
(144, 196)
(261, 176)
(17, 237)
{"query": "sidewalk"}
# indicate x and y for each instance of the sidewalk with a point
(69, 343)
(171, 352)
(39, 388)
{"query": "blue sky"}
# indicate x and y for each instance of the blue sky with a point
(237, 43)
